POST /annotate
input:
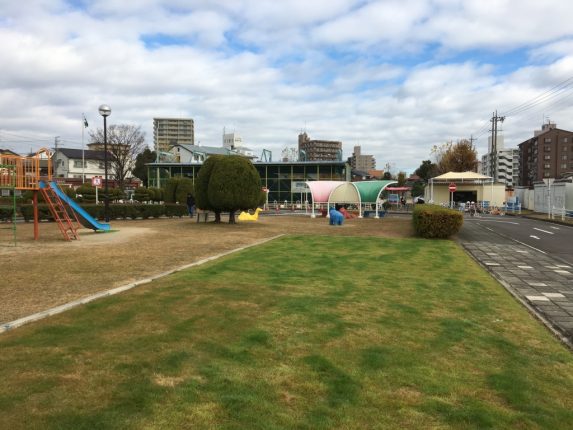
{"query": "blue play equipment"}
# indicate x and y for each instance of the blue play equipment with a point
(336, 217)
(83, 217)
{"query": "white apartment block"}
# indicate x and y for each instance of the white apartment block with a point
(504, 161)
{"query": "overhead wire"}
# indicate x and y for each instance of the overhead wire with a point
(555, 96)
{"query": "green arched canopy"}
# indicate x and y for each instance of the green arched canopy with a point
(370, 190)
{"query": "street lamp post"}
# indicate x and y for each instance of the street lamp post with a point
(105, 111)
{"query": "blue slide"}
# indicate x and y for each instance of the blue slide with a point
(85, 218)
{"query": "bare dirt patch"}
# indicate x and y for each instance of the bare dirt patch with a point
(37, 275)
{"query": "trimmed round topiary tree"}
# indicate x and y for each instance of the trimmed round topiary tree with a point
(227, 183)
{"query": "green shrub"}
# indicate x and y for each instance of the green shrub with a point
(116, 211)
(176, 189)
(172, 210)
(141, 194)
(88, 193)
(431, 221)
(156, 194)
(6, 213)
(27, 211)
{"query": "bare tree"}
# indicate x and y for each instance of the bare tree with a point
(124, 143)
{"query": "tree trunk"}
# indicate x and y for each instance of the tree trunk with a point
(217, 217)
(232, 217)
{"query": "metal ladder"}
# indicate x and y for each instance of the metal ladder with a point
(60, 213)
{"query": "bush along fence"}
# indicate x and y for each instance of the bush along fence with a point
(432, 221)
(116, 211)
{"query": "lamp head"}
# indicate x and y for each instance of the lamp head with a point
(104, 110)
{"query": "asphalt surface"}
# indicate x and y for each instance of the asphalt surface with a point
(537, 271)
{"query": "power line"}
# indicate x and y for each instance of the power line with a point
(563, 86)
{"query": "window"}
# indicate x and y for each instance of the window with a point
(564, 157)
(565, 139)
(78, 163)
(563, 165)
(564, 149)
(547, 148)
(547, 166)
(547, 140)
(546, 174)
(101, 165)
(547, 157)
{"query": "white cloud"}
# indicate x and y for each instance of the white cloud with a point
(394, 77)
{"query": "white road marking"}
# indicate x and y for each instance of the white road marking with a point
(503, 222)
(555, 228)
(544, 231)
(535, 237)
(529, 246)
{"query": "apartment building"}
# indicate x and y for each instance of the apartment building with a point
(168, 132)
(362, 162)
(502, 165)
(318, 150)
(548, 154)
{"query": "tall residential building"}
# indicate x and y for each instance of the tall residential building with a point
(168, 132)
(361, 162)
(548, 154)
(505, 162)
(318, 150)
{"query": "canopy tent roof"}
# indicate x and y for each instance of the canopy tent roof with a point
(320, 190)
(370, 190)
(345, 193)
(398, 188)
(461, 176)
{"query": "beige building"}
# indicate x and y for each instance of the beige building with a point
(470, 187)
(168, 132)
(318, 150)
(361, 162)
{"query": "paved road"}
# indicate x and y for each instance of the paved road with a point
(539, 275)
(553, 239)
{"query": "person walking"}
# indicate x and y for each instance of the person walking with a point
(191, 204)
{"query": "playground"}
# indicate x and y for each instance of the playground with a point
(40, 274)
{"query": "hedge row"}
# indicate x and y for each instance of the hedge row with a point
(116, 211)
(431, 221)
(6, 213)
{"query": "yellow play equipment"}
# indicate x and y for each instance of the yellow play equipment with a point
(245, 216)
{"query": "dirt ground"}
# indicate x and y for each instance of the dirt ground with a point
(37, 275)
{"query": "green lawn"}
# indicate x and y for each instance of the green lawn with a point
(302, 332)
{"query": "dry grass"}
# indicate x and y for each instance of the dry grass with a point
(37, 275)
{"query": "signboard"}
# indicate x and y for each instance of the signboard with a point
(96, 181)
(299, 187)
(394, 198)
(452, 187)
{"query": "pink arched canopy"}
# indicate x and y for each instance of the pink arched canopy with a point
(320, 191)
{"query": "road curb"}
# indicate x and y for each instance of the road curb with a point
(554, 330)
(82, 301)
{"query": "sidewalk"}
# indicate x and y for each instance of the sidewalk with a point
(542, 283)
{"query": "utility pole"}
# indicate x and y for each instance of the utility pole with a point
(494, 120)
(56, 143)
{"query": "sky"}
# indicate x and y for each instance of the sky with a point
(393, 76)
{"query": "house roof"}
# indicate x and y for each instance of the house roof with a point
(360, 173)
(209, 150)
(8, 152)
(461, 176)
(88, 154)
